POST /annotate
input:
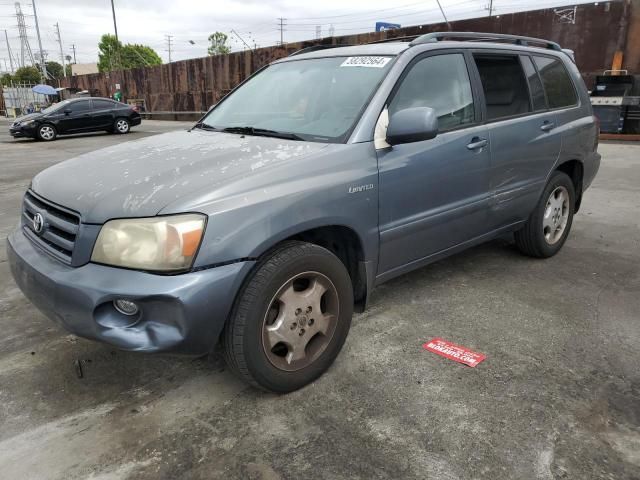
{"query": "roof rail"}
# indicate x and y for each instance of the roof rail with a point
(407, 38)
(314, 48)
(486, 37)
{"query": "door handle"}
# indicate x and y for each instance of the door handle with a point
(477, 143)
(547, 126)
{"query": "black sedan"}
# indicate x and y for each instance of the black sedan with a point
(77, 115)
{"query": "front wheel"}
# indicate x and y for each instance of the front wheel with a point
(121, 125)
(548, 226)
(47, 133)
(290, 319)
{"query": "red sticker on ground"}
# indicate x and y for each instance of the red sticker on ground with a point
(454, 352)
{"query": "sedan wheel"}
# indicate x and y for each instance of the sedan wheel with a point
(47, 133)
(122, 126)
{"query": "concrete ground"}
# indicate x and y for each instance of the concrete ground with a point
(557, 397)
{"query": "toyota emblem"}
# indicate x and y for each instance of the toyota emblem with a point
(38, 223)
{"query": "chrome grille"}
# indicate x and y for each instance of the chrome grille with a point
(59, 230)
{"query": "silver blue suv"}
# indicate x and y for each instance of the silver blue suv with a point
(323, 175)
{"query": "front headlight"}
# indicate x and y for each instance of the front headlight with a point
(166, 244)
(26, 122)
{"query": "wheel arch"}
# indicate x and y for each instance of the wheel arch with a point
(575, 170)
(346, 244)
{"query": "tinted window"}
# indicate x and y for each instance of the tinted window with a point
(442, 83)
(556, 81)
(505, 88)
(535, 85)
(80, 106)
(103, 105)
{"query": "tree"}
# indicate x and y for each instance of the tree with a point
(218, 45)
(54, 69)
(6, 79)
(114, 55)
(27, 75)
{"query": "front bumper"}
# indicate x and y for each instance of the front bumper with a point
(20, 131)
(178, 313)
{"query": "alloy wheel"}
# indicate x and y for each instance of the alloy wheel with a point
(300, 321)
(556, 215)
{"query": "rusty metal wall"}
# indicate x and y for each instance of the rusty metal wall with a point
(194, 85)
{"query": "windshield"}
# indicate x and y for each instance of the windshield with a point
(55, 107)
(317, 99)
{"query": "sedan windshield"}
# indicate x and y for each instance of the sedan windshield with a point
(316, 100)
(55, 106)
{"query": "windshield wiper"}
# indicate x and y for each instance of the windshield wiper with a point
(262, 132)
(204, 126)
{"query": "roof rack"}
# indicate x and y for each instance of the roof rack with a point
(407, 38)
(486, 37)
(314, 48)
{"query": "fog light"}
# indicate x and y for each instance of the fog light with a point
(126, 307)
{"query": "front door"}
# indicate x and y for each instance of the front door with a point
(77, 117)
(433, 194)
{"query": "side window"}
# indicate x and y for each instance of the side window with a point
(535, 85)
(557, 83)
(504, 85)
(103, 105)
(440, 82)
(80, 106)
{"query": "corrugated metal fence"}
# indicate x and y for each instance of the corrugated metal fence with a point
(594, 31)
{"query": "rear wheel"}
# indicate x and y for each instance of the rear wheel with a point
(121, 125)
(548, 226)
(291, 318)
(47, 132)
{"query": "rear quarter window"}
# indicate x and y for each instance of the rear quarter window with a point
(557, 83)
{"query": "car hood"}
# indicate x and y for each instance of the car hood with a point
(31, 116)
(139, 178)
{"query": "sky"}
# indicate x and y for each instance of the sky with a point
(191, 21)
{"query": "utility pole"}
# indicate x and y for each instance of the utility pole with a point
(115, 29)
(169, 40)
(64, 69)
(281, 26)
(73, 47)
(6, 37)
(43, 67)
(445, 17)
(490, 7)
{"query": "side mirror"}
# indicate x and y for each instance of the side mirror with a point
(67, 111)
(412, 125)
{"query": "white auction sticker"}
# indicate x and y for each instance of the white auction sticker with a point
(368, 61)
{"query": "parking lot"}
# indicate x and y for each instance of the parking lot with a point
(557, 397)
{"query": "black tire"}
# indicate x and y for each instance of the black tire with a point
(121, 126)
(46, 133)
(531, 240)
(243, 335)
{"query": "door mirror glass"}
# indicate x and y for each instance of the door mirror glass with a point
(412, 125)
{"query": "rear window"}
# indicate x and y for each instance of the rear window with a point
(103, 105)
(557, 83)
(504, 85)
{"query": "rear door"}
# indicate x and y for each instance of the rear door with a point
(525, 140)
(102, 113)
(434, 193)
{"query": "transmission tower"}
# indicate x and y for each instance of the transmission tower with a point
(25, 48)
(169, 40)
